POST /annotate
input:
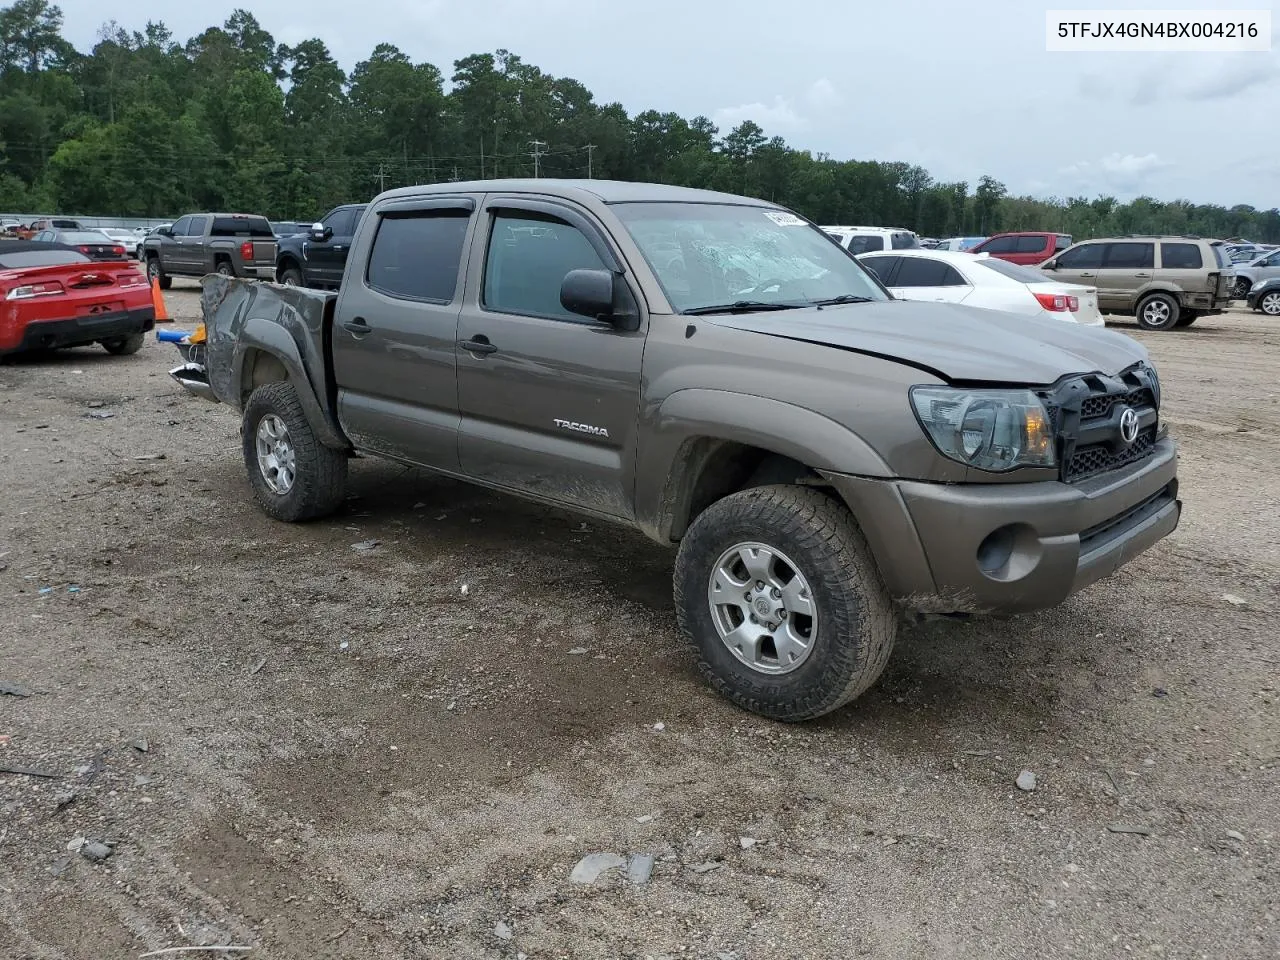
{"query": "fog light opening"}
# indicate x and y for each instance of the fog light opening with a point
(1009, 552)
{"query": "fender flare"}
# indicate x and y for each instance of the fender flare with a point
(689, 423)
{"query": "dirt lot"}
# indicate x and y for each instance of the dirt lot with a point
(347, 757)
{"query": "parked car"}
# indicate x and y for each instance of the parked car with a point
(92, 243)
(54, 296)
(1165, 282)
(318, 257)
(9, 226)
(1027, 248)
(959, 243)
(128, 239)
(869, 239)
(53, 223)
(1261, 268)
(233, 244)
(1246, 252)
(980, 280)
(816, 451)
(1265, 297)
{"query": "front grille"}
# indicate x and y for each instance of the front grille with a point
(1086, 413)
(1099, 457)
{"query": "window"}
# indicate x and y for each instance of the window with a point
(179, 229)
(1129, 256)
(865, 243)
(39, 258)
(1271, 261)
(527, 261)
(1061, 242)
(416, 255)
(1180, 256)
(1221, 254)
(1035, 244)
(197, 226)
(1015, 272)
(237, 227)
(926, 272)
(1001, 245)
(1087, 256)
(904, 241)
(340, 222)
(882, 267)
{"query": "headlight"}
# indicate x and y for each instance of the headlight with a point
(994, 430)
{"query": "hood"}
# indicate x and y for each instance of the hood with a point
(956, 342)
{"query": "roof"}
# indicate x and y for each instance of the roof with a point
(605, 191)
(1030, 233)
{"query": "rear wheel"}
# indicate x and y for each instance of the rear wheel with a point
(1269, 303)
(294, 476)
(1158, 311)
(124, 346)
(1241, 289)
(777, 589)
(225, 269)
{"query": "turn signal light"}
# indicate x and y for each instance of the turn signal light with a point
(50, 288)
(1058, 303)
(246, 251)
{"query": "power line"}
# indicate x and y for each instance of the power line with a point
(537, 155)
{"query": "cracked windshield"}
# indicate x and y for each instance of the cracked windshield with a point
(721, 257)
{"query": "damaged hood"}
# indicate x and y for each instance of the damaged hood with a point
(958, 343)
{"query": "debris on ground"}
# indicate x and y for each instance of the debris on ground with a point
(640, 868)
(747, 842)
(577, 651)
(659, 726)
(706, 867)
(96, 850)
(593, 865)
(364, 546)
(1235, 601)
(1127, 828)
(502, 931)
(1235, 835)
(647, 818)
(29, 772)
(15, 689)
(1026, 781)
(142, 746)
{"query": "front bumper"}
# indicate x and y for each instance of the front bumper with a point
(78, 331)
(1012, 548)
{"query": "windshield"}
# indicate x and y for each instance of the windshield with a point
(83, 236)
(707, 254)
(39, 258)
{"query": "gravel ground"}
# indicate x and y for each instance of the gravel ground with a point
(320, 752)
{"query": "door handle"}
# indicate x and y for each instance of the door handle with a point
(1142, 276)
(1086, 274)
(478, 345)
(357, 325)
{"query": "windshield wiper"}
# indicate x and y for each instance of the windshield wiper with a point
(743, 306)
(843, 298)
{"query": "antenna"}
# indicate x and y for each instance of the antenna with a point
(538, 151)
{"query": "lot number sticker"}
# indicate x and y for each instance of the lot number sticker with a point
(784, 219)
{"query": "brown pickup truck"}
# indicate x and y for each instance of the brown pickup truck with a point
(718, 373)
(232, 244)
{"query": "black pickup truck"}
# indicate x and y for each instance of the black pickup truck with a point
(318, 257)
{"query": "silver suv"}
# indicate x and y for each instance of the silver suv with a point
(1165, 282)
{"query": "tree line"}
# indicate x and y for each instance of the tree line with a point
(144, 125)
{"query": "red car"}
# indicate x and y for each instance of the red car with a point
(1029, 249)
(54, 296)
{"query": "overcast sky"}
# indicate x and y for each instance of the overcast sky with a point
(961, 87)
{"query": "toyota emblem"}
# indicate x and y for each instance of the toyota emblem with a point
(1128, 425)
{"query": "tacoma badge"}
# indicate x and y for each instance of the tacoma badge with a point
(582, 428)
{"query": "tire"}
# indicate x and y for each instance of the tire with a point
(1187, 319)
(1158, 311)
(851, 633)
(291, 277)
(224, 268)
(319, 474)
(1241, 290)
(124, 346)
(1269, 303)
(156, 272)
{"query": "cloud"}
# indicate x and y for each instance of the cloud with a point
(1114, 173)
(1168, 80)
(1243, 73)
(777, 117)
(822, 95)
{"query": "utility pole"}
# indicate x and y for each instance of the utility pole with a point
(591, 149)
(539, 149)
(382, 178)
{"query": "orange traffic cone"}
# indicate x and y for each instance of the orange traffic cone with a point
(157, 301)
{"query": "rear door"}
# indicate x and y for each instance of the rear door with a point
(1128, 266)
(1269, 268)
(549, 399)
(395, 330)
(924, 278)
(1032, 249)
(883, 266)
(1182, 265)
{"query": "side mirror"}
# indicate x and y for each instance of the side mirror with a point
(164, 231)
(591, 293)
(320, 233)
(1050, 264)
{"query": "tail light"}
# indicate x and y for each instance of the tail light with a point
(246, 250)
(50, 288)
(1058, 303)
(132, 278)
(118, 251)
(83, 249)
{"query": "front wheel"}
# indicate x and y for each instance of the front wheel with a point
(1158, 311)
(291, 277)
(294, 476)
(124, 346)
(1269, 303)
(779, 592)
(1241, 290)
(156, 273)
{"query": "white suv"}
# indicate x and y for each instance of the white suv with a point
(859, 240)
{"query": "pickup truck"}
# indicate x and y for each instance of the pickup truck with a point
(232, 244)
(719, 374)
(317, 257)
